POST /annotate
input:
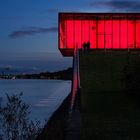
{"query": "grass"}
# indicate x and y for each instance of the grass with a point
(108, 112)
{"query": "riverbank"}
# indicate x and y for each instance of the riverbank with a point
(57, 124)
(58, 75)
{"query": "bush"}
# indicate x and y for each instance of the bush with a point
(14, 120)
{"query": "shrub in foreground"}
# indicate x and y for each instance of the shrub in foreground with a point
(14, 120)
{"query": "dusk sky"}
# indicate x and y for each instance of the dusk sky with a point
(31, 25)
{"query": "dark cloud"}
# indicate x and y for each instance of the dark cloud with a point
(123, 5)
(32, 31)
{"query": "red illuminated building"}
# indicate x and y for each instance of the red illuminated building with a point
(104, 31)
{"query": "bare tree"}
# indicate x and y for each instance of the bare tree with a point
(15, 123)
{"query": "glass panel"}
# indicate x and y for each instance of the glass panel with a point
(62, 34)
(108, 41)
(116, 34)
(100, 41)
(78, 33)
(70, 33)
(123, 34)
(100, 34)
(85, 31)
(138, 34)
(100, 27)
(131, 34)
(93, 30)
(108, 34)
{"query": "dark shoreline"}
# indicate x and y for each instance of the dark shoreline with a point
(62, 75)
(56, 126)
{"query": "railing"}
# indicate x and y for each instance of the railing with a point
(76, 78)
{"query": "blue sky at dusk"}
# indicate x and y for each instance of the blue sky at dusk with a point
(30, 26)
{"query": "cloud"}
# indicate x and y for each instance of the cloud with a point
(32, 31)
(121, 5)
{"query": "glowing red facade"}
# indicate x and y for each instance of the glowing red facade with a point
(104, 31)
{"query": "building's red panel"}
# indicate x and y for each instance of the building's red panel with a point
(62, 37)
(78, 34)
(85, 31)
(131, 34)
(123, 34)
(100, 34)
(104, 31)
(138, 34)
(93, 32)
(70, 34)
(115, 35)
(108, 34)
